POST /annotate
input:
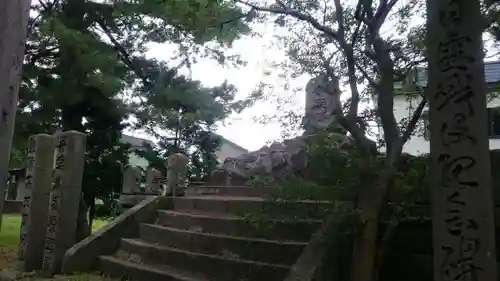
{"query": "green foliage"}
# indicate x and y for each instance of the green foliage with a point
(338, 175)
(85, 59)
(182, 114)
(342, 39)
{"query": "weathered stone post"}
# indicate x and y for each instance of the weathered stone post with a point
(11, 187)
(14, 15)
(131, 187)
(39, 163)
(131, 180)
(153, 177)
(176, 174)
(463, 224)
(64, 198)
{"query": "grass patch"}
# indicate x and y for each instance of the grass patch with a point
(9, 242)
(9, 234)
(11, 224)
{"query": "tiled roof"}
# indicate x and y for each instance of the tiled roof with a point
(491, 73)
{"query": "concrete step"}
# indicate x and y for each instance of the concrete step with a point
(261, 250)
(133, 271)
(240, 191)
(243, 206)
(221, 268)
(233, 225)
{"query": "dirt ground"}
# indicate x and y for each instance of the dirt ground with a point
(7, 256)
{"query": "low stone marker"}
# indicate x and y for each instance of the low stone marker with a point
(39, 163)
(131, 181)
(64, 199)
(131, 188)
(176, 174)
(153, 178)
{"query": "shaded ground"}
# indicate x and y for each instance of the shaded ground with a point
(9, 241)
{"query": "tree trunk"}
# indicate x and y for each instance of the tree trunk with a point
(384, 244)
(371, 199)
(365, 250)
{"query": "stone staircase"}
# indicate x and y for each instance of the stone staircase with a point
(202, 237)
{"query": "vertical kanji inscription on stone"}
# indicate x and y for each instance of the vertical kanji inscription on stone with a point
(64, 198)
(463, 224)
(39, 162)
(30, 160)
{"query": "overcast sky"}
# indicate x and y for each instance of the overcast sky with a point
(241, 128)
(258, 52)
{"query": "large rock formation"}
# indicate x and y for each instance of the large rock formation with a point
(282, 160)
(279, 161)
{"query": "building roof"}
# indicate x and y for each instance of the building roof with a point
(135, 141)
(491, 74)
(230, 143)
(140, 142)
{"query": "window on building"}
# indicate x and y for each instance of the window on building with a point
(493, 123)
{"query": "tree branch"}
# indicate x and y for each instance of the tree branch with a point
(123, 54)
(296, 14)
(239, 17)
(351, 68)
(414, 120)
(385, 88)
(371, 81)
(382, 12)
(350, 124)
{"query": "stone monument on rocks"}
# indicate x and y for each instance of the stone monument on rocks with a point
(64, 199)
(153, 181)
(281, 160)
(463, 222)
(176, 165)
(38, 183)
(321, 100)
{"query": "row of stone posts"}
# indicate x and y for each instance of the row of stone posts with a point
(175, 181)
(132, 181)
(54, 171)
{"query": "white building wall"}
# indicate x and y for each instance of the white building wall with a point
(417, 144)
(226, 150)
(135, 160)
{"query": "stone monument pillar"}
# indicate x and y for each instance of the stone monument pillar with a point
(131, 188)
(64, 198)
(131, 180)
(14, 15)
(463, 223)
(153, 178)
(39, 163)
(176, 174)
(321, 101)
